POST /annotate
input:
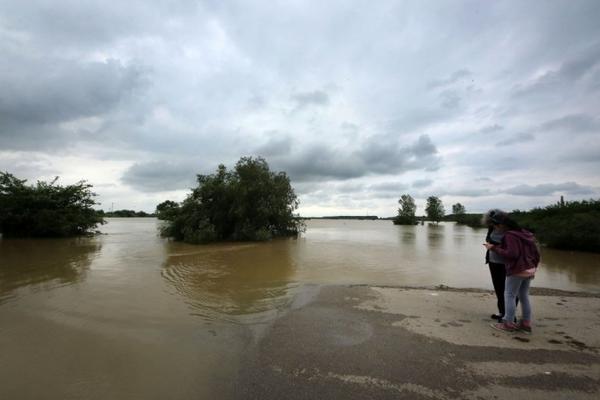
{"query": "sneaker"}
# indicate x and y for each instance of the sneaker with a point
(497, 317)
(525, 327)
(505, 327)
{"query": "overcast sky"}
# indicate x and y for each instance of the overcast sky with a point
(491, 104)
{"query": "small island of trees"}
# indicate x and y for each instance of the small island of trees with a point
(248, 203)
(46, 209)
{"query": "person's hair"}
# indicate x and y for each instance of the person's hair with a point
(493, 216)
(511, 224)
(497, 217)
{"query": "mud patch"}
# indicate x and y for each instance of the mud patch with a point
(553, 382)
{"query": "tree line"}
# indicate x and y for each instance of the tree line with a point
(125, 214)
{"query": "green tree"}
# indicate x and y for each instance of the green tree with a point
(46, 209)
(249, 203)
(434, 209)
(406, 211)
(458, 209)
(459, 212)
(167, 210)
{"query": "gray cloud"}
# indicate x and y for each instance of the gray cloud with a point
(459, 192)
(573, 123)
(570, 72)
(517, 138)
(40, 95)
(304, 99)
(276, 146)
(547, 189)
(453, 78)
(490, 129)
(422, 183)
(160, 176)
(375, 156)
(336, 105)
(394, 188)
(450, 99)
(52, 91)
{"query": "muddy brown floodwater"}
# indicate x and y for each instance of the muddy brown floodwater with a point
(128, 314)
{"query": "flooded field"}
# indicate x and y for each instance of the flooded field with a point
(128, 314)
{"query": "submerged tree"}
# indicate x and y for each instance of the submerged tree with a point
(46, 209)
(406, 211)
(434, 209)
(458, 209)
(459, 212)
(249, 203)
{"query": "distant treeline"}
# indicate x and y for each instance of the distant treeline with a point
(359, 217)
(571, 225)
(124, 214)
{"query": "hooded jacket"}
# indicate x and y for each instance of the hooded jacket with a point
(519, 250)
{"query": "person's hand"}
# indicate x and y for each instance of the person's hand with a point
(488, 246)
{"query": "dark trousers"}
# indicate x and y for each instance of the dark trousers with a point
(498, 279)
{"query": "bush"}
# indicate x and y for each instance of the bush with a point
(569, 226)
(46, 209)
(248, 203)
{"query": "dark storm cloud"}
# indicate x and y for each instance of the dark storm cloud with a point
(375, 156)
(321, 163)
(517, 138)
(159, 176)
(40, 94)
(548, 189)
(304, 99)
(55, 91)
(277, 145)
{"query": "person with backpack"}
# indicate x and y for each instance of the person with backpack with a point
(521, 258)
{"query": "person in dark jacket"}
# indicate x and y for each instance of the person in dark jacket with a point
(495, 261)
(521, 258)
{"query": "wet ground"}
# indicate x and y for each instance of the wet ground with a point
(391, 343)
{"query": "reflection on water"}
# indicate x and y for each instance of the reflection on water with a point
(43, 263)
(233, 280)
(407, 235)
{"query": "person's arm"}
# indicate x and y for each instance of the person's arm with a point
(509, 249)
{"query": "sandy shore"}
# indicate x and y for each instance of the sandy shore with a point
(364, 342)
